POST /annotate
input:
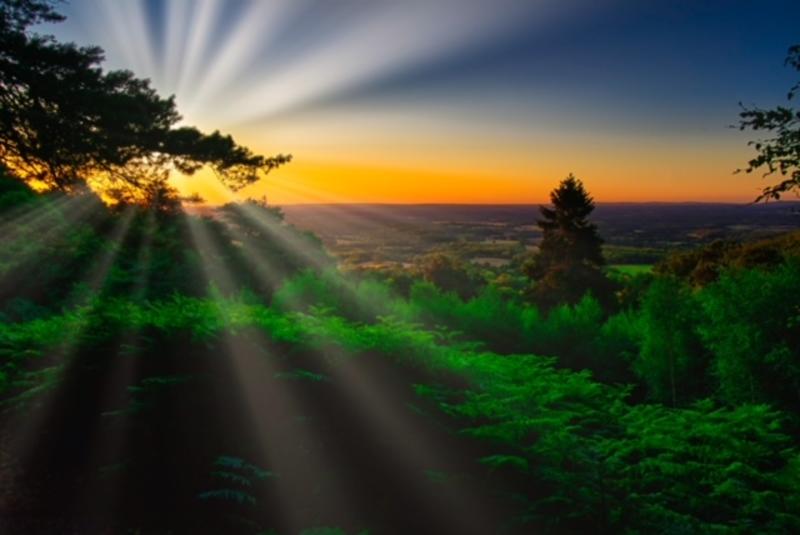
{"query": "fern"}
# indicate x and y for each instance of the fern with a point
(230, 495)
(302, 375)
(511, 461)
(235, 463)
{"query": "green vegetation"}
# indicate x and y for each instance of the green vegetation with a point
(163, 372)
(780, 154)
(672, 410)
(570, 257)
(632, 269)
(66, 124)
(704, 264)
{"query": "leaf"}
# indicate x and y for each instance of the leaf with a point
(233, 495)
(514, 462)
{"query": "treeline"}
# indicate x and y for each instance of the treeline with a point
(59, 249)
(669, 406)
(736, 339)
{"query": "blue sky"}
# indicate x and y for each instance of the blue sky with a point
(380, 84)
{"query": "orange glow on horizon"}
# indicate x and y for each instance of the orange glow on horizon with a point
(304, 182)
(404, 156)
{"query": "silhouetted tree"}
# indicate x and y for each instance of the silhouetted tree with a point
(567, 234)
(65, 123)
(780, 153)
(570, 257)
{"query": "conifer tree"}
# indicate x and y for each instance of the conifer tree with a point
(570, 255)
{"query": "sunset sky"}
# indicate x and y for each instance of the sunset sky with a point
(462, 101)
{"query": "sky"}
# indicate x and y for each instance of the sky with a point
(462, 101)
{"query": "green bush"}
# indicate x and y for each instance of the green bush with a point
(752, 326)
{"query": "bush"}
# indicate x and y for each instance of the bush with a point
(672, 361)
(752, 326)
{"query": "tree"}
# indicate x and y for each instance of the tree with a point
(672, 361)
(448, 273)
(65, 123)
(701, 469)
(570, 255)
(780, 153)
(752, 327)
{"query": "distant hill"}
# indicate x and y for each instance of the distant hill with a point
(397, 233)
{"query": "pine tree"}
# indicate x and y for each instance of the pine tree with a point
(567, 235)
(570, 255)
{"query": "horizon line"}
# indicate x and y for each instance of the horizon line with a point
(597, 203)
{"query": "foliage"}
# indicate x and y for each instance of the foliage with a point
(570, 255)
(91, 249)
(671, 361)
(596, 460)
(561, 412)
(703, 265)
(447, 273)
(781, 153)
(702, 469)
(65, 123)
(675, 414)
(146, 394)
(752, 326)
(13, 193)
(567, 235)
(238, 478)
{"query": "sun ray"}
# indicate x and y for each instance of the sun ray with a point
(261, 264)
(318, 74)
(108, 446)
(390, 423)
(353, 386)
(257, 23)
(386, 414)
(176, 29)
(264, 405)
(49, 229)
(277, 232)
(205, 14)
(131, 32)
(336, 206)
(31, 426)
(34, 214)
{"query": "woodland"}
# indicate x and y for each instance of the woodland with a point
(169, 371)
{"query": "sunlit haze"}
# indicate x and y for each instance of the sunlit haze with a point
(461, 101)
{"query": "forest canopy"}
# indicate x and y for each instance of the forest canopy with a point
(65, 123)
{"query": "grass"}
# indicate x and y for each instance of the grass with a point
(632, 269)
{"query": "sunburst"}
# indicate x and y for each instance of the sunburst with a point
(230, 63)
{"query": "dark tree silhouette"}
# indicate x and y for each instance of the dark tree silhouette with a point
(570, 255)
(66, 123)
(781, 153)
(567, 234)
